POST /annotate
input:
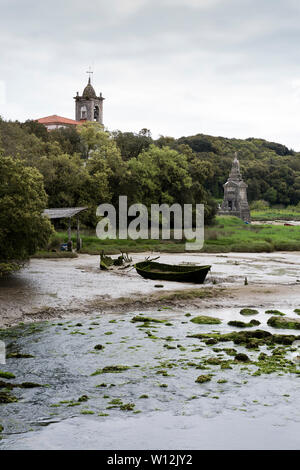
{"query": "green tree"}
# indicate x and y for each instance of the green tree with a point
(158, 175)
(23, 228)
(132, 144)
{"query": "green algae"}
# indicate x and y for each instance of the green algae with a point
(150, 335)
(250, 339)
(164, 373)
(241, 324)
(275, 312)
(83, 398)
(230, 351)
(213, 361)
(142, 319)
(110, 370)
(127, 407)
(248, 311)
(17, 355)
(144, 396)
(241, 357)
(286, 322)
(203, 378)
(211, 341)
(30, 385)
(7, 385)
(115, 401)
(87, 412)
(7, 375)
(205, 320)
(7, 398)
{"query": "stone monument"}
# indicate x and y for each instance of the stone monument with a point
(235, 194)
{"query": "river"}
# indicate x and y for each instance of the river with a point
(137, 389)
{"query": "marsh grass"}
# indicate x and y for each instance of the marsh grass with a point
(228, 234)
(290, 213)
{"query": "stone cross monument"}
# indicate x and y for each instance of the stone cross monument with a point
(89, 106)
(235, 194)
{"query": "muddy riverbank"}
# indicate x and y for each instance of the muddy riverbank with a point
(71, 287)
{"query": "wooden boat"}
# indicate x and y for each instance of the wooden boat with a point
(169, 272)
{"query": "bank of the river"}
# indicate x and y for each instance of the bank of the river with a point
(270, 214)
(228, 234)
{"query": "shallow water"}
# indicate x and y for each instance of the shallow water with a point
(245, 412)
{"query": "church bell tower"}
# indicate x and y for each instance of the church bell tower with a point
(89, 106)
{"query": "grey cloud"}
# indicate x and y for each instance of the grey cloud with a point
(194, 50)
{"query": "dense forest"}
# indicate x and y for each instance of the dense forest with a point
(90, 165)
(187, 169)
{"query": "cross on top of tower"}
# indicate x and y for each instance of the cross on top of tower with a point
(90, 72)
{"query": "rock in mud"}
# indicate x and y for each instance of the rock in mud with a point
(7, 398)
(241, 324)
(248, 311)
(203, 378)
(205, 320)
(241, 357)
(275, 312)
(286, 322)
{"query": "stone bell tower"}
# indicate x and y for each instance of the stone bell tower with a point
(89, 106)
(235, 194)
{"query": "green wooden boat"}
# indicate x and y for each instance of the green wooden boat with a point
(169, 272)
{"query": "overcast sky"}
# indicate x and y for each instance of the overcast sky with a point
(177, 67)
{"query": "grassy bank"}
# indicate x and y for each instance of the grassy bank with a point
(270, 214)
(227, 234)
(54, 254)
(231, 234)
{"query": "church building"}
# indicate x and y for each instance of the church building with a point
(88, 107)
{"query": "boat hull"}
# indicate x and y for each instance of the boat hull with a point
(165, 272)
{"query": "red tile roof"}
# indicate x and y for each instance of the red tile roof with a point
(54, 119)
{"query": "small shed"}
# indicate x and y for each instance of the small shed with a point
(67, 212)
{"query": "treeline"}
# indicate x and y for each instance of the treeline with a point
(89, 166)
(271, 170)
